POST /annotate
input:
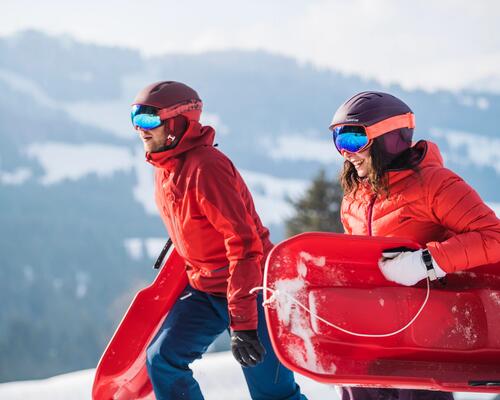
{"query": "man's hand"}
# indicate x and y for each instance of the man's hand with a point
(406, 267)
(246, 348)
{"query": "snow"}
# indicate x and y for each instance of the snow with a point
(138, 248)
(26, 86)
(17, 177)
(495, 207)
(144, 187)
(270, 195)
(218, 374)
(471, 101)
(317, 261)
(304, 147)
(154, 246)
(290, 314)
(133, 247)
(79, 160)
(111, 115)
(495, 296)
(215, 121)
(82, 280)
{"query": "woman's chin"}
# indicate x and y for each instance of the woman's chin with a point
(361, 172)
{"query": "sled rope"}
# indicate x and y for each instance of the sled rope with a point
(275, 293)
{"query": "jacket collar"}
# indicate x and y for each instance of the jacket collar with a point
(422, 154)
(196, 135)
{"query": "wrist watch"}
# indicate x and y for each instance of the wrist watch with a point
(427, 259)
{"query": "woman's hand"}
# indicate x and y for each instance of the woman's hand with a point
(407, 267)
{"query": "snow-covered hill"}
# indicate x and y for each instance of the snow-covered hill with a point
(218, 374)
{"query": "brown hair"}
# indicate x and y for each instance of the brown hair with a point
(377, 177)
(380, 164)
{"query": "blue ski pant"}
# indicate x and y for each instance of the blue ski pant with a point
(193, 323)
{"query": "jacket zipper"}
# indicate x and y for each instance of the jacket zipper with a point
(370, 214)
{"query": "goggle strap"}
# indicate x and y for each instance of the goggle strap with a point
(166, 113)
(399, 121)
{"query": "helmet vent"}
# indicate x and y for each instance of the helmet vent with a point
(160, 86)
(358, 102)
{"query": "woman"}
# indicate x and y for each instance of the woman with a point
(395, 188)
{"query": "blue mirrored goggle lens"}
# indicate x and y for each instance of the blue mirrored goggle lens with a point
(350, 138)
(146, 121)
(145, 117)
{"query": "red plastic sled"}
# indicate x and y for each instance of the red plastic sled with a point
(453, 345)
(121, 373)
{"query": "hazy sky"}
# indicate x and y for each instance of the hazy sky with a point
(429, 44)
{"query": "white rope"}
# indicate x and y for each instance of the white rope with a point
(276, 293)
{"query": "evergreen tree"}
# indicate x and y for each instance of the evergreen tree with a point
(318, 209)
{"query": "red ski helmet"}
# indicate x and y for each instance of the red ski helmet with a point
(167, 100)
(171, 98)
(383, 117)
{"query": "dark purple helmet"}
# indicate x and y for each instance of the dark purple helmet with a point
(386, 119)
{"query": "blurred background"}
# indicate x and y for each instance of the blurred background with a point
(79, 229)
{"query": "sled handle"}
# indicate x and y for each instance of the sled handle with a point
(163, 253)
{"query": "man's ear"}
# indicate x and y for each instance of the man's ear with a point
(178, 125)
(174, 130)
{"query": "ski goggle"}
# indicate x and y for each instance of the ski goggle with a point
(351, 138)
(145, 117)
(354, 138)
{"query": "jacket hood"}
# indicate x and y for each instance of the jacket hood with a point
(195, 135)
(423, 154)
(432, 157)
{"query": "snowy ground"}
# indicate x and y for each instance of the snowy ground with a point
(218, 375)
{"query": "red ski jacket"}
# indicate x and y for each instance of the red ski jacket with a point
(211, 219)
(433, 207)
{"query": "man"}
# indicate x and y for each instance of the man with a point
(211, 219)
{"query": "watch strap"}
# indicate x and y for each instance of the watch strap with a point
(427, 259)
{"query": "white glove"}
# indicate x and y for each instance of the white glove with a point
(406, 267)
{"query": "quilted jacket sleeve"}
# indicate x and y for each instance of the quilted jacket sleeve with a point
(218, 191)
(475, 227)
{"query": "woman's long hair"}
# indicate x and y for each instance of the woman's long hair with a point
(376, 178)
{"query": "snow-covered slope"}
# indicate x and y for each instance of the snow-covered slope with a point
(218, 374)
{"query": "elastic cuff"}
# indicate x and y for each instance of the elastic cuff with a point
(244, 326)
(438, 258)
(439, 272)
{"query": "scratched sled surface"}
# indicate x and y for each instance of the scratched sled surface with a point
(121, 373)
(453, 345)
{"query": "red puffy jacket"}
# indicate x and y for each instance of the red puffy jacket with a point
(433, 207)
(211, 219)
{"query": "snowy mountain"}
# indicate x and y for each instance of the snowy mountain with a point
(80, 229)
(219, 376)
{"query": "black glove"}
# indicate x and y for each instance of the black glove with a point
(246, 348)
